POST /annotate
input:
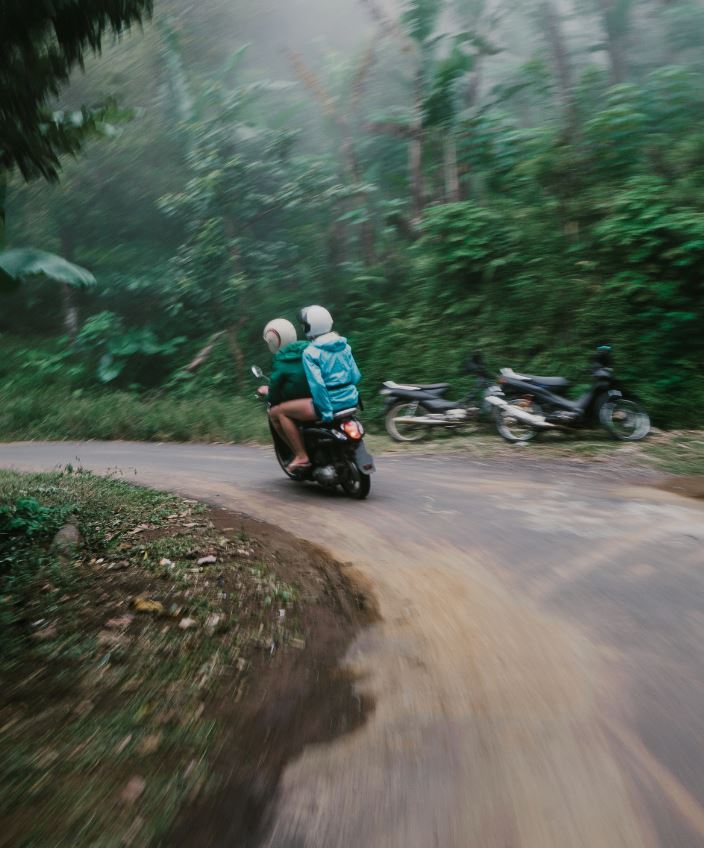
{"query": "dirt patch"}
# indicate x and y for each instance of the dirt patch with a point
(156, 682)
(293, 699)
(691, 486)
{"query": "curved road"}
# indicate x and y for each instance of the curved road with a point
(539, 670)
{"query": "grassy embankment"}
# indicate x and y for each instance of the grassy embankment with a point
(125, 659)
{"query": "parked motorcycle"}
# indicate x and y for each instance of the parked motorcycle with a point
(412, 410)
(528, 405)
(336, 449)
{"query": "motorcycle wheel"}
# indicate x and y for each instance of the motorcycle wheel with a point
(405, 432)
(513, 430)
(625, 420)
(357, 485)
(283, 454)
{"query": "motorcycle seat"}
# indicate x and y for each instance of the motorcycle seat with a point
(410, 387)
(433, 387)
(547, 382)
(550, 382)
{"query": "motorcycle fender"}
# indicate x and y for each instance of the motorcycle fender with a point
(363, 459)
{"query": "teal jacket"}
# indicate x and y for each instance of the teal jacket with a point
(288, 379)
(332, 375)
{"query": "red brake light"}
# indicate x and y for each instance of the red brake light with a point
(353, 429)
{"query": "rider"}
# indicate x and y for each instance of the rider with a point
(332, 376)
(330, 367)
(288, 379)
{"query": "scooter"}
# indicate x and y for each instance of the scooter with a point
(528, 405)
(412, 410)
(336, 450)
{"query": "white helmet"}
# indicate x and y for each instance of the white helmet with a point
(279, 333)
(316, 320)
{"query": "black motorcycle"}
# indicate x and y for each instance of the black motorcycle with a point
(412, 410)
(336, 450)
(529, 404)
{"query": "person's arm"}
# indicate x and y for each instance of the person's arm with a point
(318, 389)
(276, 385)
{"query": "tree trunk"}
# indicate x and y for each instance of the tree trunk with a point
(71, 318)
(452, 177)
(415, 151)
(558, 47)
(615, 31)
(236, 351)
(415, 175)
(70, 312)
(3, 199)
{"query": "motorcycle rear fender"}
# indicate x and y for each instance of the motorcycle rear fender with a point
(363, 459)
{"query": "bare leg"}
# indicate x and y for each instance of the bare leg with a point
(288, 415)
(276, 424)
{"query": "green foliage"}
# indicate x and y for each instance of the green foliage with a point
(25, 518)
(420, 17)
(134, 354)
(27, 526)
(41, 42)
(50, 392)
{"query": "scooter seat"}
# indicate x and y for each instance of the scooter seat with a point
(546, 382)
(412, 387)
(550, 382)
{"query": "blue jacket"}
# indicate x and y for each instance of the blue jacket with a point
(332, 375)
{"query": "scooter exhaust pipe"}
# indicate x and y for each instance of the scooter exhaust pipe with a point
(521, 414)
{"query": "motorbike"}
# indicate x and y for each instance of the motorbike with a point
(529, 404)
(336, 450)
(412, 410)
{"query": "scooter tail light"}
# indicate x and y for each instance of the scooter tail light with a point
(352, 429)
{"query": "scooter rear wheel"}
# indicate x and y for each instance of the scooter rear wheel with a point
(357, 485)
(406, 432)
(513, 430)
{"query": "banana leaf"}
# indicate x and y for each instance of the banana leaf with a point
(20, 263)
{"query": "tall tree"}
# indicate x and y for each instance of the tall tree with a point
(616, 20)
(558, 47)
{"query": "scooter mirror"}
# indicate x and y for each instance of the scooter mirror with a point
(257, 371)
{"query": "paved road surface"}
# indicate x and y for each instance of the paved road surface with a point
(539, 671)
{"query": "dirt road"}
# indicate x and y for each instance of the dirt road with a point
(538, 673)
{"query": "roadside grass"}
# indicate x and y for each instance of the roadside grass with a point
(55, 414)
(675, 452)
(111, 651)
(681, 452)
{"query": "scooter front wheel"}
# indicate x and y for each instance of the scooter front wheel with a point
(625, 420)
(406, 431)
